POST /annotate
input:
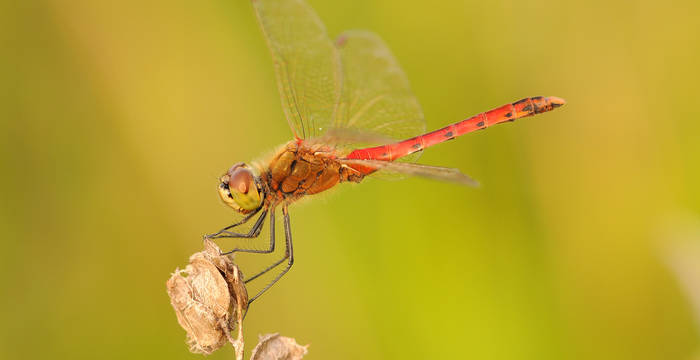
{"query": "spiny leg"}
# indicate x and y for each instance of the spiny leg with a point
(256, 229)
(288, 254)
(253, 233)
(273, 265)
(225, 230)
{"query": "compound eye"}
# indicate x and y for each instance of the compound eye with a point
(240, 180)
(242, 188)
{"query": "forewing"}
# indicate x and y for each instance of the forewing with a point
(412, 169)
(376, 97)
(344, 137)
(305, 61)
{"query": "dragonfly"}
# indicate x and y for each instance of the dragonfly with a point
(352, 113)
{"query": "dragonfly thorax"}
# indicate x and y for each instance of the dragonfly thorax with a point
(299, 169)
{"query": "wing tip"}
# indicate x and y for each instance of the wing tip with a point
(341, 40)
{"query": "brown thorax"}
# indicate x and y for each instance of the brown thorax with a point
(298, 170)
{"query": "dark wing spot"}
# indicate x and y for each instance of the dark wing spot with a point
(480, 124)
(416, 146)
(449, 134)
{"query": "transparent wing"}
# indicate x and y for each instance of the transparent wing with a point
(306, 63)
(355, 83)
(412, 169)
(342, 137)
(376, 97)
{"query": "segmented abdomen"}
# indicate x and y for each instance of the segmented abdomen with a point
(509, 112)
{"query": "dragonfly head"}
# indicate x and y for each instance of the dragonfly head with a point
(240, 189)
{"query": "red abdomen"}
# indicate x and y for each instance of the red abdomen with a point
(509, 112)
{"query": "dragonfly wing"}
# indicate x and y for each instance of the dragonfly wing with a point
(375, 96)
(412, 169)
(306, 63)
(340, 137)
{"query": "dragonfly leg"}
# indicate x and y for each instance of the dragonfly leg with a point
(288, 255)
(225, 231)
(254, 232)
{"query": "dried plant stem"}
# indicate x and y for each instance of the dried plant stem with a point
(238, 343)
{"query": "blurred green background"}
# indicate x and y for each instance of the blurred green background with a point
(118, 117)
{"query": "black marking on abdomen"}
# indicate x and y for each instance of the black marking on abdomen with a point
(449, 134)
(416, 146)
(480, 124)
(539, 108)
(508, 114)
(527, 108)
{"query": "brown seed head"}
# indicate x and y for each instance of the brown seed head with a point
(207, 296)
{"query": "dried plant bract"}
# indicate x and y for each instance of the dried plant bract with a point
(276, 347)
(209, 299)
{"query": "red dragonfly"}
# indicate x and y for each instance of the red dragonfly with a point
(352, 114)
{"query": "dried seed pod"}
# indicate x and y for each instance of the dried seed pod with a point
(208, 297)
(276, 347)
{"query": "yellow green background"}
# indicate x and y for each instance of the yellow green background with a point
(117, 117)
